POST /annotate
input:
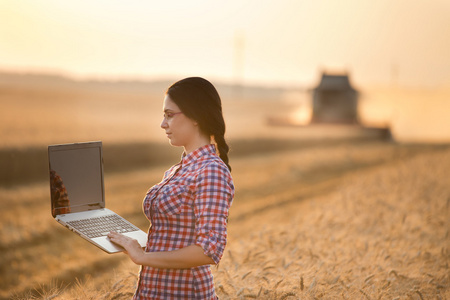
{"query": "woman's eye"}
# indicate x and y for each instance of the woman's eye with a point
(170, 115)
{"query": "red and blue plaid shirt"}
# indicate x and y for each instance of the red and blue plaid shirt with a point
(189, 206)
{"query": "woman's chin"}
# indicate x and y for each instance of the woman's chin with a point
(173, 143)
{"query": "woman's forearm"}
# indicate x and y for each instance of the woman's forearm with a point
(188, 257)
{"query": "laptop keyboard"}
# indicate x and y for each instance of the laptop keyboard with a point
(101, 226)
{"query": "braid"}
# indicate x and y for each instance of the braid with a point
(223, 148)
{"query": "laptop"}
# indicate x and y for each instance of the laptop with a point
(78, 195)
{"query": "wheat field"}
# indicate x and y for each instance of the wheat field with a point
(374, 225)
(340, 215)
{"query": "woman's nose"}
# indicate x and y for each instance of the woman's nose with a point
(164, 123)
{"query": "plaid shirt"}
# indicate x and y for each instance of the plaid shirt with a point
(189, 206)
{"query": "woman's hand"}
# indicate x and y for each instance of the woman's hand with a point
(131, 246)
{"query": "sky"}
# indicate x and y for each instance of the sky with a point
(283, 42)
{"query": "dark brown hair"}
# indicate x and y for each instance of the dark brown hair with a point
(199, 100)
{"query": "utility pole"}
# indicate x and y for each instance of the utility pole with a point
(238, 63)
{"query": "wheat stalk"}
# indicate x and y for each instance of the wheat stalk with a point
(365, 294)
(289, 294)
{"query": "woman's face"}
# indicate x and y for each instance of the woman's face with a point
(180, 130)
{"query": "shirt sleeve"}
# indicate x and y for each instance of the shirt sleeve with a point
(214, 194)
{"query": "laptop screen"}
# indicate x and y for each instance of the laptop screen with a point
(76, 177)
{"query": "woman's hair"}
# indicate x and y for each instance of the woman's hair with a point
(199, 100)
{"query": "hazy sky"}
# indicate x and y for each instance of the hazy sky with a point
(276, 42)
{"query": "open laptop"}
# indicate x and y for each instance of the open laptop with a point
(78, 195)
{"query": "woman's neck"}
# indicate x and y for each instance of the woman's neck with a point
(201, 141)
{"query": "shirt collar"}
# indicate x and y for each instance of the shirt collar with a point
(198, 153)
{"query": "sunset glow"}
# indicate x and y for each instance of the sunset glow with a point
(282, 42)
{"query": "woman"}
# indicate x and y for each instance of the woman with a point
(188, 209)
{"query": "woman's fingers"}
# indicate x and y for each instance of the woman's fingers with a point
(120, 239)
(117, 237)
(131, 246)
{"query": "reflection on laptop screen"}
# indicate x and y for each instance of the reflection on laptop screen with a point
(76, 177)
